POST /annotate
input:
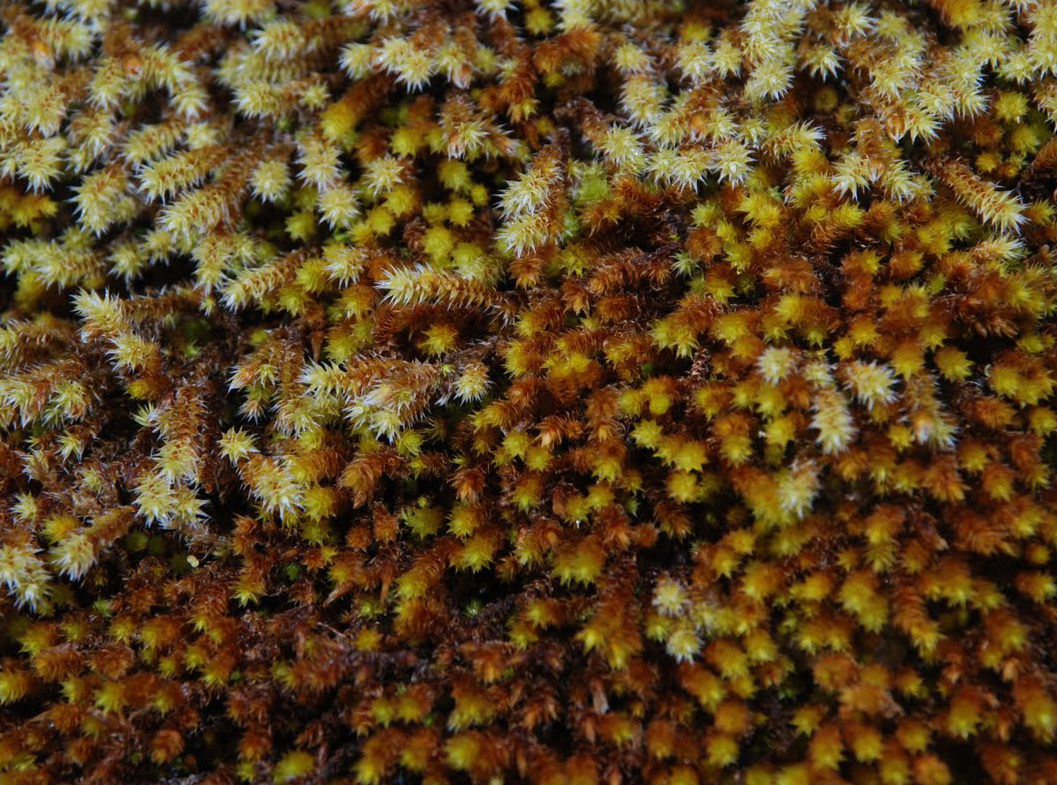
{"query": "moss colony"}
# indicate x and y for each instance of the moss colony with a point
(559, 392)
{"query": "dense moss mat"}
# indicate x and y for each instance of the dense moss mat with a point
(573, 391)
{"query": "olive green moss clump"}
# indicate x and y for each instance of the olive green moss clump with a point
(566, 392)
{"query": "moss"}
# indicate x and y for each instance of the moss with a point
(550, 392)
